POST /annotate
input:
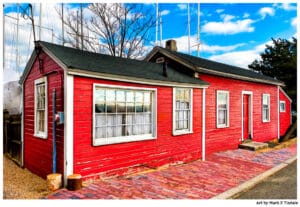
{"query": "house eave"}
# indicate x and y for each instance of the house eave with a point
(228, 75)
(105, 76)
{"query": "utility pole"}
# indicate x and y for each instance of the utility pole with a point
(189, 30)
(17, 41)
(62, 24)
(198, 45)
(160, 29)
(77, 30)
(156, 32)
(81, 21)
(3, 37)
(40, 22)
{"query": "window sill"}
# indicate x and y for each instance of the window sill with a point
(222, 126)
(266, 121)
(119, 140)
(181, 132)
(43, 136)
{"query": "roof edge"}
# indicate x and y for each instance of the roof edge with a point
(229, 75)
(130, 79)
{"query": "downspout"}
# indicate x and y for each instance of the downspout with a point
(53, 131)
(203, 125)
(22, 127)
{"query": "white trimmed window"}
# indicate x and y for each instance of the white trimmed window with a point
(40, 108)
(266, 107)
(182, 111)
(222, 109)
(282, 106)
(123, 114)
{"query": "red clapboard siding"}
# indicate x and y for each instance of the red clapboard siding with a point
(228, 138)
(37, 151)
(92, 160)
(285, 117)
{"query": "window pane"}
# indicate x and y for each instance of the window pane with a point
(100, 120)
(100, 132)
(111, 107)
(129, 96)
(147, 97)
(265, 99)
(222, 100)
(139, 107)
(147, 107)
(120, 96)
(221, 116)
(130, 107)
(100, 95)
(100, 108)
(139, 96)
(110, 95)
(121, 108)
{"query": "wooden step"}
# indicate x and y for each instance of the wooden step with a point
(253, 146)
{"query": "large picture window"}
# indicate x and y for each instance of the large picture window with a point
(40, 111)
(222, 109)
(123, 114)
(182, 111)
(266, 107)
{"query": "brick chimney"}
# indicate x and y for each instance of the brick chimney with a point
(171, 45)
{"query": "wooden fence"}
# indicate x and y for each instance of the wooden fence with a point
(12, 144)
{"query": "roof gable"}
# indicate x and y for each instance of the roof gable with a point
(215, 68)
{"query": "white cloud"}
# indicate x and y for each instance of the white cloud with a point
(294, 22)
(219, 11)
(241, 58)
(182, 45)
(227, 17)
(266, 11)
(182, 6)
(246, 15)
(288, 7)
(228, 27)
(164, 12)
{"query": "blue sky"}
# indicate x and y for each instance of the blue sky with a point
(232, 33)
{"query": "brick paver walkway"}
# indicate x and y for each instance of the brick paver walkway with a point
(196, 180)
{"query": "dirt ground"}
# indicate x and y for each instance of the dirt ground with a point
(19, 183)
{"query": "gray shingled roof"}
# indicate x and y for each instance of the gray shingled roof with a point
(201, 63)
(105, 64)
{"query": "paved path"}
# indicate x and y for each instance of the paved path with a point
(196, 180)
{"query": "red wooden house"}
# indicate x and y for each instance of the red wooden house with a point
(122, 114)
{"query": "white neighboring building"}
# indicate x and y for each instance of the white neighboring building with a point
(12, 97)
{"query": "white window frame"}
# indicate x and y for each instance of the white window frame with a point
(228, 107)
(282, 110)
(176, 132)
(37, 133)
(262, 108)
(131, 138)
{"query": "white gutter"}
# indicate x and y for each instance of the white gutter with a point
(203, 125)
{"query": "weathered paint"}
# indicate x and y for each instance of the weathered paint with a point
(38, 151)
(218, 139)
(90, 161)
(285, 117)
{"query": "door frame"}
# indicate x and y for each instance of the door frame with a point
(250, 93)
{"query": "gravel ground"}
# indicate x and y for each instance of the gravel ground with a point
(19, 183)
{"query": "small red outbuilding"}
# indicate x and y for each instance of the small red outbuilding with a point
(119, 115)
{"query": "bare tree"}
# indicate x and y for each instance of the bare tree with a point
(120, 29)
